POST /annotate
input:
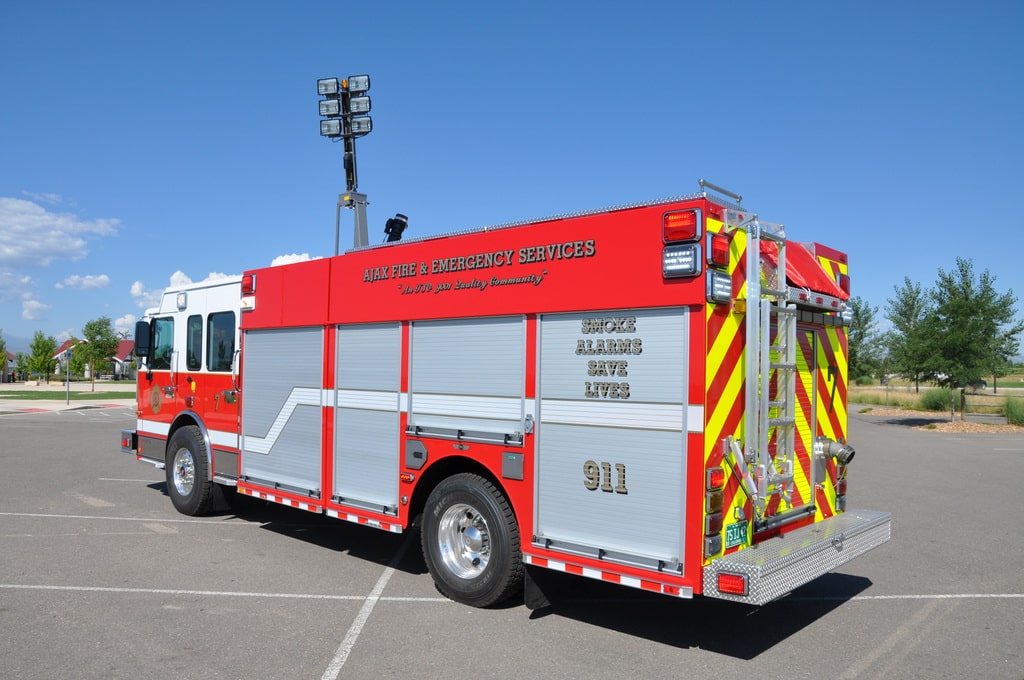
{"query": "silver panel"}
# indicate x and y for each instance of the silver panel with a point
(776, 566)
(635, 435)
(468, 374)
(281, 407)
(366, 426)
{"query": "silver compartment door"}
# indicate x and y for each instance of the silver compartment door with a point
(612, 464)
(282, 408)
(366, 417)
(467, 379)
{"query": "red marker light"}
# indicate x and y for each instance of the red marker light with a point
(681, 225)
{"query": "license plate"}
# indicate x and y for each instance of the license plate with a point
(735, 534)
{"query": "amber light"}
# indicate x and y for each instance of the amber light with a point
(734, 584)
(682, 225)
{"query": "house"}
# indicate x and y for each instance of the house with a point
(7, 372)
(123, 360)
(60, 368)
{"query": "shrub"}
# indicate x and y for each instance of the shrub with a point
(1015, 411)
(936, 399)
(864, 380)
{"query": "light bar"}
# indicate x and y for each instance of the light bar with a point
(358, 84)
(328, 86)
(358, 105)
(330, 107)
(331, 127)
(361, 126)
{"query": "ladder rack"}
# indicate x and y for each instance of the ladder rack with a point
(771, 370)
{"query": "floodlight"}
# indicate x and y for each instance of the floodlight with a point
(361, 126)
(358, 105)
(328, 86)
(358, 84)
(331, 127)
(330, 107)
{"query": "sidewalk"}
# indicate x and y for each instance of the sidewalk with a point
(57, 397)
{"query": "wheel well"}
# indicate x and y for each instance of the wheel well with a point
(440, 471)
(186, 419)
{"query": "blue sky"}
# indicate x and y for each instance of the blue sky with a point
(142, 143)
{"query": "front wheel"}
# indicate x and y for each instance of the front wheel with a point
(188, 482)
(471, 541)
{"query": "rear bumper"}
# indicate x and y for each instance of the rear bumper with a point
(129, 441)
(775, 567)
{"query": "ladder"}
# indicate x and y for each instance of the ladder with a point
(771, 372)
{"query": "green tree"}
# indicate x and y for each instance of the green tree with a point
(974, 329)
(21, 365)
(909, 340)
(864, 340)
(100, 345)
(3, 357)
(41, 359)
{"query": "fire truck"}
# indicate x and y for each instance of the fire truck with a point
(653, 395)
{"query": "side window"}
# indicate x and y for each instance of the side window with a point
(220, 336)
(194, 345)
(163, 344)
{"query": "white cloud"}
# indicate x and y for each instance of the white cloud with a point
(33, 310)
(34, 237)
(87, 282)
(13, 285)
(52, 199)
(125, 323)
(289, 259)
(144, 297)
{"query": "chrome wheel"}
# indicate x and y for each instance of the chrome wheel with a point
(464, 541)
(184, 471)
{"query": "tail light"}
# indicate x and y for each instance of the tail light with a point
(681, 225)
(714, 498)
(718, 250)
(733, 584)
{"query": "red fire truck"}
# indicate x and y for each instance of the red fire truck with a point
(652, 394)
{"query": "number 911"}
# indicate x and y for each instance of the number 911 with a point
(599, 476)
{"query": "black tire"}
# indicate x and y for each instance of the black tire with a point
(188, 482)
(470, 541)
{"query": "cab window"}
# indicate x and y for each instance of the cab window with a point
(194, 343)
(220, 337)
(163, 344)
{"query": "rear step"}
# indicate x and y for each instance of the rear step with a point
(777, 566)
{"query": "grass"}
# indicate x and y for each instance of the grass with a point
(56, 395)
(920, 401)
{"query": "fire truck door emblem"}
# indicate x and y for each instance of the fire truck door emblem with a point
(155, 400)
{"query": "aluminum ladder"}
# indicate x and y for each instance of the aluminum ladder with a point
(771, 372)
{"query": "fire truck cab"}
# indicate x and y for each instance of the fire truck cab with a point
(652, 395)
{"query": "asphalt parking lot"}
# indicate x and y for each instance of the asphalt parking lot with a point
(101, 578)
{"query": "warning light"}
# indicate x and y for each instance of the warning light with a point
(681, 225)
(733, 584)
(248, 284)
(715, 478)
(718, 250)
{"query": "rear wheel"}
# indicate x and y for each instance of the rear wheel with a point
(188, 482)
(471, 541)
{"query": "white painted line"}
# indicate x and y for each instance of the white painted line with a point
(340, 656)
(214, 522)
(211, 593)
